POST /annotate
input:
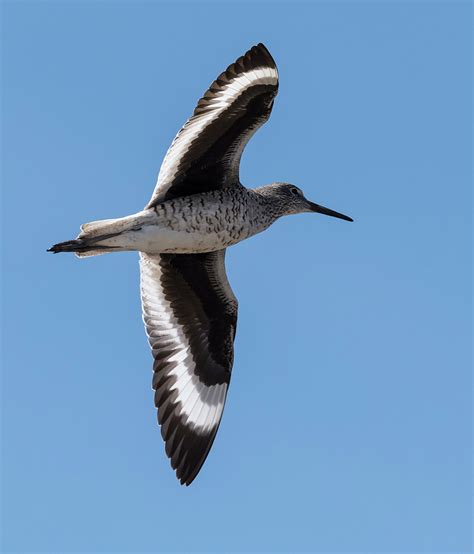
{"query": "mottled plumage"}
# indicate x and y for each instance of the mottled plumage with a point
(197, 210)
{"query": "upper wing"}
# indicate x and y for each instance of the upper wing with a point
(190, 314)
(205, 154)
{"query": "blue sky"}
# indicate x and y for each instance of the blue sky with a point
(347, 425)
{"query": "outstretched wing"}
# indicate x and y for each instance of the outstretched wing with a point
(205, 155)
(190, 315)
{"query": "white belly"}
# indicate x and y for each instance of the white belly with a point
(153, 239)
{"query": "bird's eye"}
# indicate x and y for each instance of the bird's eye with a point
(295, 191)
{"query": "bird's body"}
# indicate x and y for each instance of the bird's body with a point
(197, 210)
(198, 223)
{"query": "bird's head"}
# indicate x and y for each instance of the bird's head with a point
(291, 200)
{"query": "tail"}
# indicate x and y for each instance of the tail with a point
(84, 247)
(93, 238)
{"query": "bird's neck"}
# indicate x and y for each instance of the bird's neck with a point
(273, 204)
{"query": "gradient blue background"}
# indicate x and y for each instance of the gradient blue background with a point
(347, 426)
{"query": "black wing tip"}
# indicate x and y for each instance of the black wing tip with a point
(186, 448)
(187, 466)
(263, 48)
(187, 477)
(260, 55)
(185, 482)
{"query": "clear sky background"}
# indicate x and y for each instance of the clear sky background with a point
(347, 425)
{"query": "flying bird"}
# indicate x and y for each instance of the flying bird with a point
(197, 210)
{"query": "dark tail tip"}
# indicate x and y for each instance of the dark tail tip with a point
(68, 246)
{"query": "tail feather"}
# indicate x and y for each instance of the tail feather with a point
(84, 247)
(68, 246)
(96, 252)
(95, 228)
(90, 241)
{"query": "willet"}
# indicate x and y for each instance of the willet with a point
(197, 210)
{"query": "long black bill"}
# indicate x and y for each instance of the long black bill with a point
(326, 211)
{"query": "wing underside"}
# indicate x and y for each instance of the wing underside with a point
(205, 155)
(190, 314)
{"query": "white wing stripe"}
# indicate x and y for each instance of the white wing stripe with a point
(205, 407)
